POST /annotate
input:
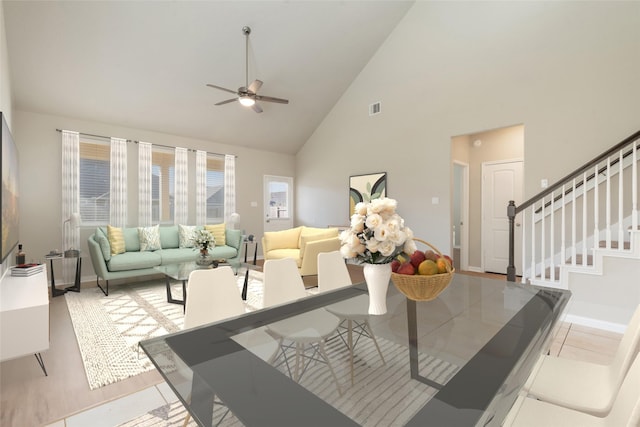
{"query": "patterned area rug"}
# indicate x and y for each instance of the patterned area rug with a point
(382, 394)
(108, 328)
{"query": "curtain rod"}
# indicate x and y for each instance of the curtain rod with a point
(136, 142)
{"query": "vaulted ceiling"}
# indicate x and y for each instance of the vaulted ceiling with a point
(145, 64)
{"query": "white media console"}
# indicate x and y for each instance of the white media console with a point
(24, 316)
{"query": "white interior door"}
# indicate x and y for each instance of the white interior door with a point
(278, 203)
(501, 182)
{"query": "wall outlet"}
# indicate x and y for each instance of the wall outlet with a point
(435, 200)
(544, 183)
(254, 204)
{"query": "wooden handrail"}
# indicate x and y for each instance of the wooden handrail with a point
(578, 172)
(589, 178)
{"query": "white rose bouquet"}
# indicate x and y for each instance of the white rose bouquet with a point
(377, 233)
(204, 240)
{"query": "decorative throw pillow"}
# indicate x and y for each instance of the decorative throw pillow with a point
(116, 240)
(283, 239)
(149, 238)
(218, 231)
(187, 233)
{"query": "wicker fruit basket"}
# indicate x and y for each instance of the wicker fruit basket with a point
(421, 287)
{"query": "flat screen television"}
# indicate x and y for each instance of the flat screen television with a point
(9, 192)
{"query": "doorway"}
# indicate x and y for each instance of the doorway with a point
(460, 236)
(473, 150)
(278, 203)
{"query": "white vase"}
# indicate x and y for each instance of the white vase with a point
(377, 277)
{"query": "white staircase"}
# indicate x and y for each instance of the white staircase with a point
(583, 234)
(605, 294)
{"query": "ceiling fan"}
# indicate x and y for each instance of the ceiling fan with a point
(247, 95)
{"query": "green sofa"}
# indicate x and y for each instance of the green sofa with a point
(134, 263)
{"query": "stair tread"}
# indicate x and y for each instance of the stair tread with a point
(614, 244)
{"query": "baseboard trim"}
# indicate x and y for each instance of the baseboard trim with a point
(594, 323)
(475, 269)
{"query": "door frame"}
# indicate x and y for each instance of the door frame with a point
(464, 215)
(483, 203)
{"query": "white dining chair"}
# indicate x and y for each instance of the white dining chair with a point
(584, 386)
(212, 296)
(625, 411)
(306, 331)
(334, 274)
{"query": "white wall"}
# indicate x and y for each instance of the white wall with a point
(6, 104)
(567, 71)
(40, 186)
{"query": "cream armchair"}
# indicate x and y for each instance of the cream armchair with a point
(303, 244)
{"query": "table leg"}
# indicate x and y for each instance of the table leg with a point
(184, 296)
(245, 286)
(255, 253)
(55, 292)
(413, 346)
(170, 298)
(202, 400)
(76, 283)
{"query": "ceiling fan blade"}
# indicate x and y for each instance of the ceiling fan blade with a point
(272, 99)
(255, 86)
(227, 101)
(221, 88)
(257, 108)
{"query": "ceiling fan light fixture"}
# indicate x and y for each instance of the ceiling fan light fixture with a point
(247, 95)
(246, 100)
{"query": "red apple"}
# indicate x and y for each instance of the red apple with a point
(448, 258)
(416, 258)
(394, 265)
(406, 268)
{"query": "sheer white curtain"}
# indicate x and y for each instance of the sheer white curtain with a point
(201, 187)
(181, 195)
(118, 183)
(144, 184)
(70, 196)
(229, 186)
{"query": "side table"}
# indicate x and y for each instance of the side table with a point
(76, 284)
(248, 242)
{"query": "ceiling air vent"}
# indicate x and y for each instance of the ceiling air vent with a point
(374, 108)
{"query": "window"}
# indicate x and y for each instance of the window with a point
(278, 199)
(215, 189)
(94, 182)
(162, 185)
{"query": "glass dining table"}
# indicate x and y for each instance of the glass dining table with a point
(458, 360)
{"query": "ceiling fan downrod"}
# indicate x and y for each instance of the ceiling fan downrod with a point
(246, 31)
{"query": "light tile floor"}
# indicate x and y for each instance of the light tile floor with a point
(121, 410)
(571, 341)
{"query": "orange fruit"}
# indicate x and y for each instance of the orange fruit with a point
(427, 268)
(442, 264)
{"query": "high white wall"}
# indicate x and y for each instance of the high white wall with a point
(6, 105)
(40, 186)
(567, 71)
